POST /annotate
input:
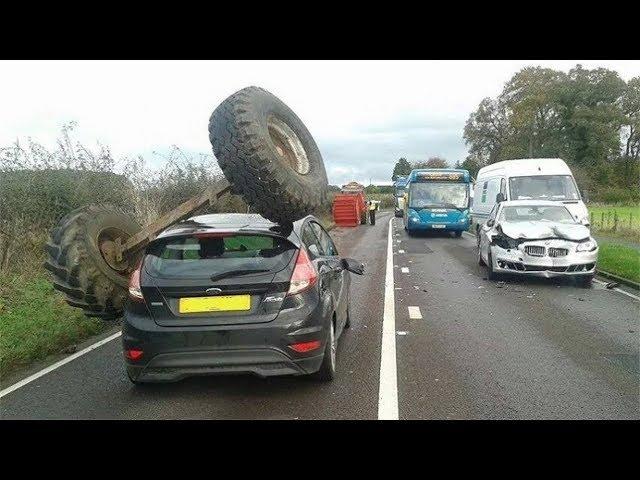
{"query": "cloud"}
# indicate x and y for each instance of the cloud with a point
(371, 154)
(364, 115)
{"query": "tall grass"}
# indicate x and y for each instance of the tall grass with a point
(35, 322)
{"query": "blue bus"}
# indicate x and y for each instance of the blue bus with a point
(437, 199)
(398, 195)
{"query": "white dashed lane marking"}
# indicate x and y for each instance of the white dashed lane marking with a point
(414, 313)
(404, 270)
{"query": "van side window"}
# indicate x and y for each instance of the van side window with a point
(492, 189)
(503, 187)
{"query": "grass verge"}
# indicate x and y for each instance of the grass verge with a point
(620, 260)
(36, 322)
(603, 220)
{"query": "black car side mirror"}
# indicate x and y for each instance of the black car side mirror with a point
(500, 197)
(353, 266)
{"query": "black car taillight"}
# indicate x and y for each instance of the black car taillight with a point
(133, 354)
(304, 274)
(135, 292)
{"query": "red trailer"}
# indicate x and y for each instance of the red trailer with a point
(349, 206)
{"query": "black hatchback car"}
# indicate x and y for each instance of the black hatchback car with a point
(235, 293)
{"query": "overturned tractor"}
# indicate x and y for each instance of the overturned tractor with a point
(267, 156)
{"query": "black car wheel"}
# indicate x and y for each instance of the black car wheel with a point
(328, 367)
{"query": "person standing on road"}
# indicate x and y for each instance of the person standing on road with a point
(372, 211)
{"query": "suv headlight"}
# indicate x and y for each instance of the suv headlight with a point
(588, 246)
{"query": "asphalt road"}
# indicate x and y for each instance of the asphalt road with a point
(525, 349)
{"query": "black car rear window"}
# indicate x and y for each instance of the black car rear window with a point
(204, 256)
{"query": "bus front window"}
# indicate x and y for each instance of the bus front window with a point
(433, 195)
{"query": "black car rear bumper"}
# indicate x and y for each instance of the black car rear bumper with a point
(265, 362)
(263, 349)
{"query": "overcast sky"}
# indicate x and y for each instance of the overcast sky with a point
(364, 115)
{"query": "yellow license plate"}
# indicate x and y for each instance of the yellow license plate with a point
(224, 303)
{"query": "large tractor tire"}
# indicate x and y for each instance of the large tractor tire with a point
(268, 155)
(80, 257)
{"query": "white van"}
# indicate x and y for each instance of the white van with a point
(526, 179)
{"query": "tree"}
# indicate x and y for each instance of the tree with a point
(590, 118)
(630, 155)
(472, 164)
(433, 162)
(403, 167)
(589, 106)
(487, 130)
(437, 162)
(631, 110)
(530, 99)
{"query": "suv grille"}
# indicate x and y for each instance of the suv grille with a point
(534, 250)
(558, 252)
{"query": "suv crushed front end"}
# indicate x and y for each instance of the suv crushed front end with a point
(545, 258)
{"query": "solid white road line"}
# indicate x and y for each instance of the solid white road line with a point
(617, 289)
(56, 365)
(388, 391)
(404, 270)
(414, 313)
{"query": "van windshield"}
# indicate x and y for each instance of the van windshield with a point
(206, 256)
(543, 187)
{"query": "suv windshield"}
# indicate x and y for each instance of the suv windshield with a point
(439, 194)
(208, 256)
(543, 187)
(528, 214)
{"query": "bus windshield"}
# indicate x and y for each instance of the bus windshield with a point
(543, 187)
(439, 194)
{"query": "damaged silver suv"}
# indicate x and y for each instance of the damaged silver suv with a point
(539, 238)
